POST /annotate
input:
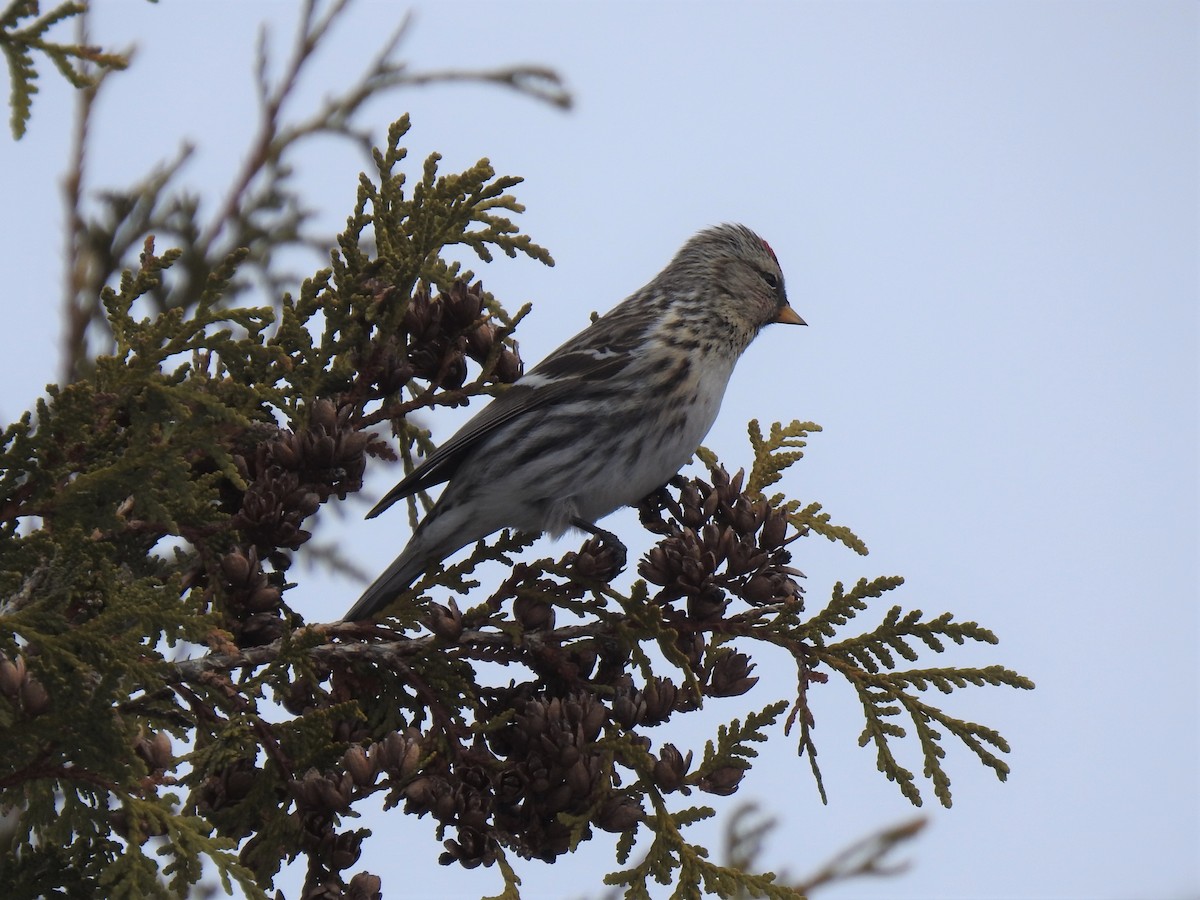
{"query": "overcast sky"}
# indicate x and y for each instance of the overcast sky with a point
(987, 213)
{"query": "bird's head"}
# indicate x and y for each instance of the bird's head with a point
(738, 277)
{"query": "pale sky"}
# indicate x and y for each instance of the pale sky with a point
(987, 213)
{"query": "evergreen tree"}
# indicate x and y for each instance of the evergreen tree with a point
(189, 418)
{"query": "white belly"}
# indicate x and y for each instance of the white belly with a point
(663, 453)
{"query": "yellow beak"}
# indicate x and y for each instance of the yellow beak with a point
(788, 316)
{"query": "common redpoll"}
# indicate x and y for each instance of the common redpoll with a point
(604, 420)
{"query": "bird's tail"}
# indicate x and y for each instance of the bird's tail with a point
(388, 586)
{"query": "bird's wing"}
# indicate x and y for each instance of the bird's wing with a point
(560, 374)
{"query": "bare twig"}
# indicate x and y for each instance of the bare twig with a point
(865, 857)
(266, 145)
(335, 114)
(76, 314)
(27, 593)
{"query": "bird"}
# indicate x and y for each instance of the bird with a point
(603, 421)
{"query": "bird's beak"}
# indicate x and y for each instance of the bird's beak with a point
(788, 316)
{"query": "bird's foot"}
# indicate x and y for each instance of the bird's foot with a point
(610, 542)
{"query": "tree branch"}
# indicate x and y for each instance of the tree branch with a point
(391, 646)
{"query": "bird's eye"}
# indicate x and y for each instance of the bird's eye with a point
(771, 280)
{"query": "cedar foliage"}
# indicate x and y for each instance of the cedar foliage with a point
(24, 33)
(155, 503)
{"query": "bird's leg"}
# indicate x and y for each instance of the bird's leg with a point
(610, 540)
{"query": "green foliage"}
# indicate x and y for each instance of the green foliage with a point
(464, 201)
(111, 466)
(671, 859)
(867, 661)
(20, 41)
(773, 454)
(163, 445)
(512, 883)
